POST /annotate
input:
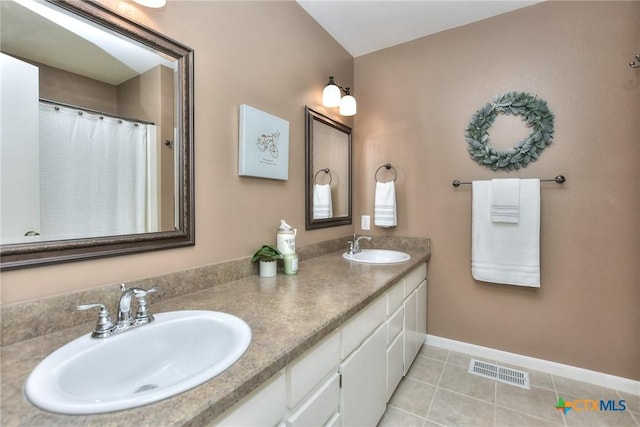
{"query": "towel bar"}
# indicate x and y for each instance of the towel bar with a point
(560, 179)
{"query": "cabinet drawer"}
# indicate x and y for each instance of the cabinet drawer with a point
(413, 279)
(263, 407)
(395, 295)
(308, 370)
(362, 325)
(320, 407)
(394, 324)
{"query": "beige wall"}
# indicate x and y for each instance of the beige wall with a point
(74, 89)
(270, 55)
(415, 101)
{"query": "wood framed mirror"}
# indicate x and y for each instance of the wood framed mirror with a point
(328, 171)
(68, 198)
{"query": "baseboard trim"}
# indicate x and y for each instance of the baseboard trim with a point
(573, 372)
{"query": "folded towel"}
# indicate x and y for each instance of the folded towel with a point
(503, 252)
(384, 206)
(505, 200)
(322, 204)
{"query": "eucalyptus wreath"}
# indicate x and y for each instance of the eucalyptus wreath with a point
(536, 115)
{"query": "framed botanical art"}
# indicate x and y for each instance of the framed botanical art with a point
(263, 150)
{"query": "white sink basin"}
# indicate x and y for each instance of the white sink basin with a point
(177, 351)
(378, 256)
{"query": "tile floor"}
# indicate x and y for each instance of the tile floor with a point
(438, 391)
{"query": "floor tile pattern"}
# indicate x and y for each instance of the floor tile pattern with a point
(438, 391)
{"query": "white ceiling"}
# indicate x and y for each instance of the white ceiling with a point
(43, 33)
(364, 26)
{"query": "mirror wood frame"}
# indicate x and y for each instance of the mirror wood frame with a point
(14, 256)
(310, 223)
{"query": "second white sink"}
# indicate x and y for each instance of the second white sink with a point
(177, 351)
(378, 256)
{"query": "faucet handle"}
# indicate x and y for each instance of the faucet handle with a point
(141, 293)
(143, 315)
(104, 325)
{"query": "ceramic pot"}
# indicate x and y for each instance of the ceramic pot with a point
(268, 268)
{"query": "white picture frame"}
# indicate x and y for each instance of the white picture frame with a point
(263, 146)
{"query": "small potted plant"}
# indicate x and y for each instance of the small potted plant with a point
(268, 257)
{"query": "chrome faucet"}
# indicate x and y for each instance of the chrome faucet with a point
(105, 327)
(354, 245)
(125, 314)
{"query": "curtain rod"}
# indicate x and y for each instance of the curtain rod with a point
(560, 179)
(62, 104)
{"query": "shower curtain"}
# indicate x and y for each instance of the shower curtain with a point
(93, 172)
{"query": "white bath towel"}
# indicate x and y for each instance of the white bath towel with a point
(322, 204)
(505, 200)
(384, 206)
(502, 252)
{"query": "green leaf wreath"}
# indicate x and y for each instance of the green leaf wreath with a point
(536, 115)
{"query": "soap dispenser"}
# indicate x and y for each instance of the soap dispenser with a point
(286, 238)
(286, 243)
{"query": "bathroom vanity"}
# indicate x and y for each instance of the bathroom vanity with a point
(348, 378)
(328, 342)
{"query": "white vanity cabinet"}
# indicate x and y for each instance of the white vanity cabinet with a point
(347, 378)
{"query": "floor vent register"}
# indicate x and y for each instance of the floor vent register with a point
(500, 373)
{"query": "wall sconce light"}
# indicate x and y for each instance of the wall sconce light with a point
(332, 97)
(152, 3)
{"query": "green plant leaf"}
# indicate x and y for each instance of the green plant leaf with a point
(267, 253)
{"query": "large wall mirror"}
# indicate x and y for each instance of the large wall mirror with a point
(96, 135)
(328, 171)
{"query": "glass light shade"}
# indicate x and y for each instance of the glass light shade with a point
(348, 106)
(331, 96)
(152, 3)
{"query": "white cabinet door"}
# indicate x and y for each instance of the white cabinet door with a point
(410, 330)
(422, 313)
(395, 364)
(363, 395)
(411, 336)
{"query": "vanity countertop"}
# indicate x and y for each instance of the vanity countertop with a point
(287, 315)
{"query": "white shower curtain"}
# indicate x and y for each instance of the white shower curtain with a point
(92, 174)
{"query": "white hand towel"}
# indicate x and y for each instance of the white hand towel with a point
(502, 252)
(505, 200)
(322, 204)
(384, 206)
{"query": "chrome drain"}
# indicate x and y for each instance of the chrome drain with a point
(500, 373)
(146, 387)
